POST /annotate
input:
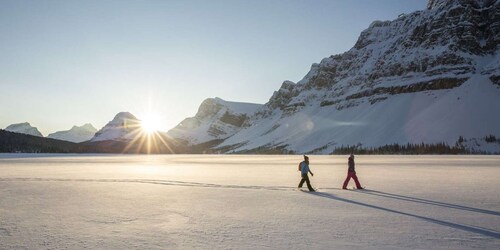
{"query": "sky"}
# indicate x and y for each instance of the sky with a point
(65, 63)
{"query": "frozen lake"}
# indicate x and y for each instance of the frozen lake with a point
(247, 202)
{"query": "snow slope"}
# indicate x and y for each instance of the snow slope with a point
(75, 134)
(123, 127)
(247, 202)
(24, 128)
(430, 117)
(215, 119)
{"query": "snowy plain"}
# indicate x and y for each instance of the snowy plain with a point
(247, 202)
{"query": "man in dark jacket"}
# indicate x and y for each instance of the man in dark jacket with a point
(351, 173)
(304, 170)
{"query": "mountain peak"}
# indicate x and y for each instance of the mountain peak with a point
(124, 115)
(21, 124)
(88, 126)
(124, 126)
(75, 134)
(216, 119)
(24, 128)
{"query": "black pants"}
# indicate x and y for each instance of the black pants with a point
(305, 178)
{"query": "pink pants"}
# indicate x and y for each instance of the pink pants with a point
(354, 177)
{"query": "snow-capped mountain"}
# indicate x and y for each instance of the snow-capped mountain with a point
(123, 127)
(430, 76)
(24, 128)
(75, 134)
(216, 119)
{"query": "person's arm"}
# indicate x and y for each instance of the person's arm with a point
(311, 172)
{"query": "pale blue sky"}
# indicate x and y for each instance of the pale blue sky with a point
(65, 63)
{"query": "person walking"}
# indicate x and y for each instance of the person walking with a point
(304, 170)
(351, 173)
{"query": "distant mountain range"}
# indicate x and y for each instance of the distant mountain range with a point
(75, 134)
(428, 80)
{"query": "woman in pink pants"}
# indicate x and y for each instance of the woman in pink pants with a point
(351, 173)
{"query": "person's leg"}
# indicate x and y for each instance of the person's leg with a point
(355, 178)
(346, 180)
(309, 184)
(302, 181)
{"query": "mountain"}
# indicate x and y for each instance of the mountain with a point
(215, 120)
(432, 76)
(24, 128)
(75, 134)
(123, 127)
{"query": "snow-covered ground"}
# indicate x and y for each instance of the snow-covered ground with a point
(247, 202)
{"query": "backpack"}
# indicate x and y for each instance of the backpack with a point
(300, 166)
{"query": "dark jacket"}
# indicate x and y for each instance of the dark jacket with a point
(351, 165)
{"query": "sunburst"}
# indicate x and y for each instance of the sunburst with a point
(146, 137)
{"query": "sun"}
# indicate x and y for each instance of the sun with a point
(150, 123)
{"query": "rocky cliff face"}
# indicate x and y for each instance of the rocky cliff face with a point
(437, 48)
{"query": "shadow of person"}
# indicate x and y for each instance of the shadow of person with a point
(429, 202)
(472, 229)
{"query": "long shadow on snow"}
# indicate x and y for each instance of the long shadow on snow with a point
(429, 202)
(150, 181)
(423, 201)
(477, 230)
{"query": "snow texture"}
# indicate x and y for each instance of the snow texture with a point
(247, 202)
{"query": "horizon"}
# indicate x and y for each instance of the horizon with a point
(72, 63)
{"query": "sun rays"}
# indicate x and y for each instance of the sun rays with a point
(146, 137)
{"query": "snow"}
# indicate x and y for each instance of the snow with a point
(75, 134)
(429, 117)
(239, 107)
(124, 126)
(207, 124)
(24, 128)
(247, 202)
